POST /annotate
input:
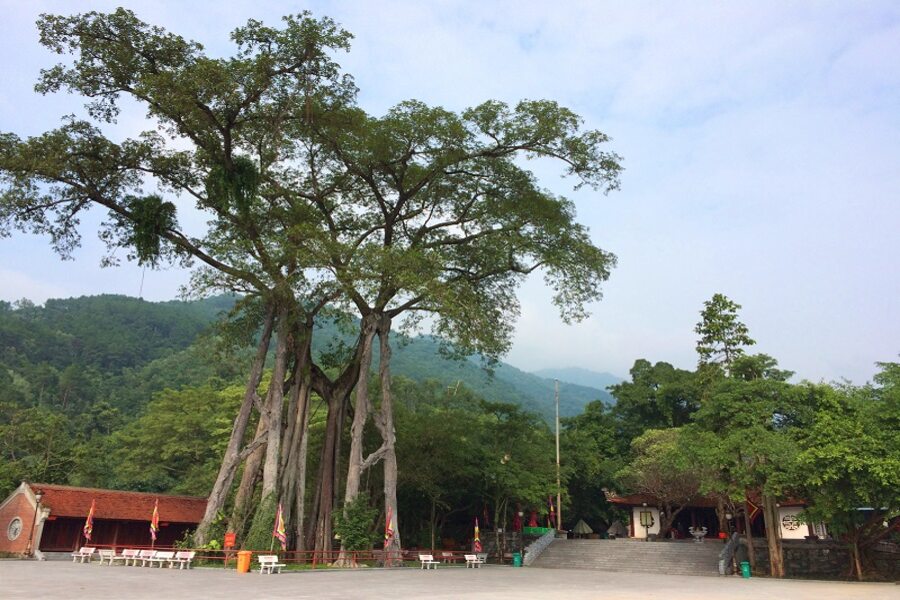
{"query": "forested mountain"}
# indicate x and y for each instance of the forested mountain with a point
(132, 348)
(579, 376)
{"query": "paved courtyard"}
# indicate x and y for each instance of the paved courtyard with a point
(28, 579)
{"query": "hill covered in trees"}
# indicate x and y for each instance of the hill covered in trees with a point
(122, 350)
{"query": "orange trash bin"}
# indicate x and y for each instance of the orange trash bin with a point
(243, 561)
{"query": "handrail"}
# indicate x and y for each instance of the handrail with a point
(726, 556)
(535, 548)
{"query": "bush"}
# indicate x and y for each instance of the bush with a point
(355, 524)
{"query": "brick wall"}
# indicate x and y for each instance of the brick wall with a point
(18, 506)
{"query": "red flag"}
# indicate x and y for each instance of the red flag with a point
(389, 527)
(279, 531)
(477, 543)
(154, 522)
(752, 510)
(89, 523)
(552, 511)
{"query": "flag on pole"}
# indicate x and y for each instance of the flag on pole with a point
(752, 510)
(154, 522)
(477, 543)
(279, 530)
(89, 522)
(552, 512)
(389, 527)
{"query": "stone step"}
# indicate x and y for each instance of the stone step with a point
(630, 556)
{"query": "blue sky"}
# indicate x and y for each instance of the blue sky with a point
(761, 144)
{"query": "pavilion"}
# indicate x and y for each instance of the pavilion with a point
(120, 518)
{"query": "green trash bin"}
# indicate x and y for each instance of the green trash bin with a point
(745, 570)
(517, 559)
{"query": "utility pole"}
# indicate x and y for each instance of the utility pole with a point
(558, 479)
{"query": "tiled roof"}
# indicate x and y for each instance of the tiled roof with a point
(648, 500)
(66, 501)
(701, 502)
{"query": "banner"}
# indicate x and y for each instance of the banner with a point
(279, 531)
(477, 543)
(388, 527)
(154, 523)
(89, 523)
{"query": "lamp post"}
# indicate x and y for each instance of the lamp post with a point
(558, 479)
(38, 495)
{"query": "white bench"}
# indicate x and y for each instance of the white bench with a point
(107, 554)
(86, 552)
(474, 561)
(428, 561)
(269, 562)
(183, 559)
(162, 558)
(127, 555)
(144, 556)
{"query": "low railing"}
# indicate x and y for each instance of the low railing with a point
(726, 556)
(535, 548)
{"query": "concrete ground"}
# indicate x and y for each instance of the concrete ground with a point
(30, 579)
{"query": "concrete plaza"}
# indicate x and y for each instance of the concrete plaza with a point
(29, 579)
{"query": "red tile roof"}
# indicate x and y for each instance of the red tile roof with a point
(66, 501)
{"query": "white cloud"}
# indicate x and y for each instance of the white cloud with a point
(760, 140)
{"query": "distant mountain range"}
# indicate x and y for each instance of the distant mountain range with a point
(419, 359)
(137, 348)
(579, 376)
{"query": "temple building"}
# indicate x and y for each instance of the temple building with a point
(40, 517)
(644, 517)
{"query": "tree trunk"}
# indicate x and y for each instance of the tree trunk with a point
(356, 465)
(748, 524)
(431, 524)
(666, 520)
(773, 537)
(320, 538)
(300, 494)
(388, 435)
(296, 431)
(230, 460)
(249, 479)
(275, 408)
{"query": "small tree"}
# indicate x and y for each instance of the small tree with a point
(355, 525)
(663, 470)
(722, 335)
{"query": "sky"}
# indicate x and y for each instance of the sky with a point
(761, 146)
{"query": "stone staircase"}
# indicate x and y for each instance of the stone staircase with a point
(633, 556)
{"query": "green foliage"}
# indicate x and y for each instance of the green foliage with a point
(722, 335)
(356, 524)
(175, 446)
(747, 431)
(850, 459)
(662, 468)
(259, 537)
(233, 187)
(591, 453)
(657, 396)
(149, 218)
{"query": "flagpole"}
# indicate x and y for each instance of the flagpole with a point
(558, 479)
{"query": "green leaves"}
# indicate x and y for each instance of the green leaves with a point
(356, 524)
(722, 336)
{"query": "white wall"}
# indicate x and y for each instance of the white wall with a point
(641, 532)
(792, 528)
